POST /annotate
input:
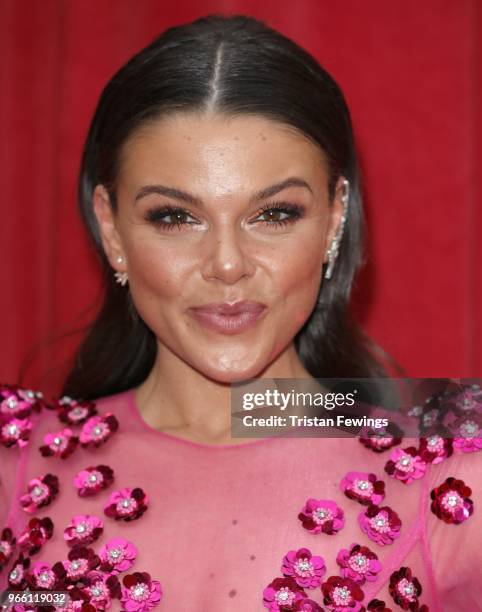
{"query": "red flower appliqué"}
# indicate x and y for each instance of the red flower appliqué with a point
(382, 525)
(35, 534)
(451, 501)
(282, 594)
(90, 481)
(7, 546)
(380, 440)
(342, 595)
(435, 449)
(322, 516)
(126, 504)
(359, 564)
(405, 589)
(73, 412)
(41, 492)
(140, 592)
(81, 560)
(306, 569)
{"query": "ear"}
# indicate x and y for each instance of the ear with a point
(335, 215)
(106, 220)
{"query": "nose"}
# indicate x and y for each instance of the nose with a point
(226, 260)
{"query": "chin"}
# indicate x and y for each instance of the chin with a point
(231, 374)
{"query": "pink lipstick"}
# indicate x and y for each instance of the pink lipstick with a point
(228, 318)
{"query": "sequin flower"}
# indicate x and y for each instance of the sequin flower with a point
(59, 444)
(451, 501)
(117, 555)
(363, 487)
(358, 563)
(14, 403)
(101, 589)
(7, 546)
(380, 440)
(126, 504)
(306, 569)
(139, 592)
(283, 594)
(435, 449)
(342, 595)
(322, 515)
(467, 432)
(15, 432)
(98, 429)
(41, 492)
(35, 534)
(46, 577)
(405, 589)
(382, 525)
(405, 465)
(90, 481)
(81, 560)
(376, 605)
(72, 412)
(17, 578)
(83, 530)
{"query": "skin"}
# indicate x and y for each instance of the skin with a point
(224, 251)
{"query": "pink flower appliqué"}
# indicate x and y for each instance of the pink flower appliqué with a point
(41, 492)
(83, 529)
(140, 592)
(342, 595)
(126, 504)
(35, 534)
(117, 555)
(46, 577)
(72, 412)
(306, 569)
(467, 434)
(322, 515)
(7, 546)
(380, 440)
(92, 480)
(98, 429)
(15, 432)
(359, 563)
(405, 465)
(363, 487)
(17, 578)
(59, 444)
(451, 501)
(382, 525)
(283, 594)
(102, 589)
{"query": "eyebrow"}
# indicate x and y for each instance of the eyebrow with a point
(184, 196)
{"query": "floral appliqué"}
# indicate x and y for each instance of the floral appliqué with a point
(363, 487)
(305, 568)
(451, 501)
(359, 563)
(322, 516)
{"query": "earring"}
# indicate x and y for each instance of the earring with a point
(332, 252)
(121, 277)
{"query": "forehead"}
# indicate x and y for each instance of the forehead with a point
(218, 154)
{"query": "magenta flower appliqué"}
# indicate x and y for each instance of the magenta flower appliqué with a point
(72, 412)
(467, 432)
(363, 487)
(435, 449)
(117, 555)
(102, 589)
(7, 546)
(451, 501)
(35, 534)
(59, 444)
(41, 492)
(92, 480)
(15, 432)
(81, 560)
(405, 589)
(46, 577)
(306, 569)
(19, 574)
(405, 465)
(98, 429)
(140, 592)
(382, 525)
(342, 595)
(322, 516)
(358, 563)
(126, 504)
(283, 594)
(83, 529)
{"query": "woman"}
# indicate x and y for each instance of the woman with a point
(219, 183)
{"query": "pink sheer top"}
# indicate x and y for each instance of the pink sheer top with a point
(220, 519)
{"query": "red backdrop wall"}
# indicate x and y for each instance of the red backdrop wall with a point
(411, 72)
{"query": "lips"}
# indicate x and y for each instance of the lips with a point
(228, 318)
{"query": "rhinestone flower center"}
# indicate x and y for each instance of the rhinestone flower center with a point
(285, 597)
(321, 515)
(304, 568)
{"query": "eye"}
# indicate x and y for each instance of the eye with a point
(280, 213)
(168, 217)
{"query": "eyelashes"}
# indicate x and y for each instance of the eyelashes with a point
(273, 210)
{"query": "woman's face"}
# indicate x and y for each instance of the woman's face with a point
(218, 238)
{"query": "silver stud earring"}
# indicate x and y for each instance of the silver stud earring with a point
(332, 252)
(121, 277)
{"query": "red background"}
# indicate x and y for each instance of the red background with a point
(411, 73)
